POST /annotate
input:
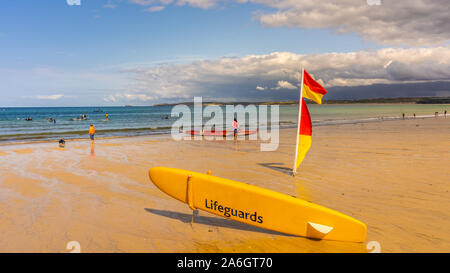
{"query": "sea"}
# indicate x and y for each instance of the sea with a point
(153, 120)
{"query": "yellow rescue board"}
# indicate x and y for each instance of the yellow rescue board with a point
(257, 206)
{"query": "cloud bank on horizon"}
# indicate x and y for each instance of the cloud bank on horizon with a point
(266, 76)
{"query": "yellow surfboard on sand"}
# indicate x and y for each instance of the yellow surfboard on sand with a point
(257, 206)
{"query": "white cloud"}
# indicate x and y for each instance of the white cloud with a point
(260, 88)
(73, 2)
(237, 77)
(155, 8)
(284, 85)
(45, 97)
(204, 4)
(128, 97)
(413, 22)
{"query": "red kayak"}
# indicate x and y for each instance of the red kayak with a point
(220, 133)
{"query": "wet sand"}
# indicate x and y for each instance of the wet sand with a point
(393, 176)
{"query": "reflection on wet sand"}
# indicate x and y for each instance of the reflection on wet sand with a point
(92, 148)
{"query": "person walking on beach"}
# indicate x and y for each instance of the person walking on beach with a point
(92, 132)
(235, 127)
(445, 113)
(403, 115)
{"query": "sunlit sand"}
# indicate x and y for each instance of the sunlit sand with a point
(391, 175)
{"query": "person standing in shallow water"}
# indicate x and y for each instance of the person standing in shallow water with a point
(92, 132)
(235, 127)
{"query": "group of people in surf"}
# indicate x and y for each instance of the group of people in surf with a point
(436, 114)
(83, 117)
(52, 120)
(47, 119)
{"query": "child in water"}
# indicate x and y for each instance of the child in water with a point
(92, 132)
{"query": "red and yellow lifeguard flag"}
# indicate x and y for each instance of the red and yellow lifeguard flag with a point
(305, 134)
(311, 89)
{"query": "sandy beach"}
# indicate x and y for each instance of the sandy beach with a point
(392, 175)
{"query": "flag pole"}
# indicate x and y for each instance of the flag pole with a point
(294, 169)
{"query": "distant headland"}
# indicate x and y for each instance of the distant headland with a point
(412, 100)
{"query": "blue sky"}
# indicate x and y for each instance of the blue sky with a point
(77, 55)
(90, 35)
